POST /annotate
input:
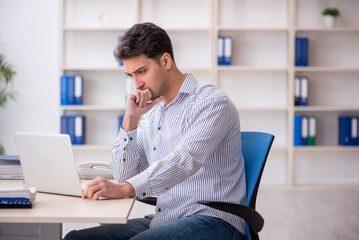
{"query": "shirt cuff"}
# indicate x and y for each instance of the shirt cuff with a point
(128, 139)
(141, 186)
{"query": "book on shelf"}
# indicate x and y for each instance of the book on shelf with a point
(225, 50)
(305, 130)
(119, 39)
(17, 197)
(71, 89)
(10, 168)
(348, 131)
(301, 51)
(74, 126)
(301, 91)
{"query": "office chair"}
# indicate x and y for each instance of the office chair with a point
(255, 150)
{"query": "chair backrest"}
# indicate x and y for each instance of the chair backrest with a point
(255, 150)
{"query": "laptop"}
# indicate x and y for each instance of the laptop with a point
(48, 163)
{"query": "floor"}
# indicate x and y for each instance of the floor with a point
(309, 214)
(295, 214)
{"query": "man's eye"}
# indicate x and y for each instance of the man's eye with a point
(141, 72)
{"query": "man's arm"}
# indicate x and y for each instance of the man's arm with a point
(137, 104)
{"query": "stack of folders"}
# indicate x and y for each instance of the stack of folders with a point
(74, 125)
(301, 51)
(225, 50)
(10, 168)
(17, 197)
(71, 89)
(348, 130)
(301, 91)
(305, 130)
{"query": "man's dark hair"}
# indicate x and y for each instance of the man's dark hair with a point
(144, 38)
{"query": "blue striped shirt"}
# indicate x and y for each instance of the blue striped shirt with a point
(184, 152)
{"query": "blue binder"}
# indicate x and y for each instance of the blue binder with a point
(301, 51)
(345, 130)
(120, 121)
(304, 85)
(354, 131)
(305, 130)
(220, 50)
(78, 89)
(64, 125)
(119, 41)
(297, 130)
(71, 128)
(70, 90)
(79, 129)
(64, 95)
(227, 50)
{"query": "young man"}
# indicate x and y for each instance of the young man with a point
(186, 149)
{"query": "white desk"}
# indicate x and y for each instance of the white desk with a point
(51, 208)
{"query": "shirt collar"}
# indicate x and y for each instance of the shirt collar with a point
(188, 86)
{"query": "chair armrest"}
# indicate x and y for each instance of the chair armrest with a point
(251, 216)
(150, 200)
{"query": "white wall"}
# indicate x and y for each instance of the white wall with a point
(29, 40)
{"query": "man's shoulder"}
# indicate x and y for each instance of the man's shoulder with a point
(205, 91)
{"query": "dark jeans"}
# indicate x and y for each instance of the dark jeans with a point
(192, 227)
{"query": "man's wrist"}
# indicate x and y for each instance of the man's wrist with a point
(128, 189)
(130, 123)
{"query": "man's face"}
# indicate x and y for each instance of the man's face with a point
(147, 73)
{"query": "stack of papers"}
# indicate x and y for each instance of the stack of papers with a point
(17, 197)
(10, 167)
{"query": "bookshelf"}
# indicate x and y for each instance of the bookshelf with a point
(260, 80)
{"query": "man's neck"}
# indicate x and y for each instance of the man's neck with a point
(176, 80)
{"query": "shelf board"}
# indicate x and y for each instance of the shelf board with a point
(104, 147)
(77, 68)
(326, 109)
(253, 29)
(261, 109)
(92, 108)
(122, 69)
(326, 69)
(187, 29)
(94, 29)
(250, 68)
(329, 30)
(318, 148)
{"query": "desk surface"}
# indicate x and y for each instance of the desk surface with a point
(51, 208)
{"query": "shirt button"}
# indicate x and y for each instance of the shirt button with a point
(125, 139)
(144, 194)
(154, 149)
(159, 128)
(159, 210)
(131, 138)
(124, 159)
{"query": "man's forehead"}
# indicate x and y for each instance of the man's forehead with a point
(137, 63)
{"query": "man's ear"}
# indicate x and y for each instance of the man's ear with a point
(166, 61)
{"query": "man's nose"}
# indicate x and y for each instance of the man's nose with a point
(138, 82)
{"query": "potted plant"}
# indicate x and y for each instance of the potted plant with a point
(330, 16)
(6, 77)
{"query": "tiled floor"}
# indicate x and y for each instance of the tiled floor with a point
(296, 214)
